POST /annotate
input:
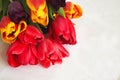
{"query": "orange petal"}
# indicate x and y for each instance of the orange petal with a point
(40, 18)
(4, 22)
(72, 10)
(34, 4)
(39, 11)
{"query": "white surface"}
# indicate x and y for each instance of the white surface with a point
(96, 55)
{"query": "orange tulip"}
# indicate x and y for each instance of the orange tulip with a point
(72, 10)
(39, 11)
(10, 30)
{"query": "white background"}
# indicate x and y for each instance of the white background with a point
(96, 56)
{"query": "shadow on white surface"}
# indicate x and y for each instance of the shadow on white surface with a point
(3, 62)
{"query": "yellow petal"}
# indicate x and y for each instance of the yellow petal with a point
(39, 11)
(11, 31)
(21, 27)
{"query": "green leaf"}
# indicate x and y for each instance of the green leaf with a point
(61, 12)
(0, 15)
(38, 27)
(0, 6)
(35, 24)
(24, 4)
(5, 4)
(50, 11)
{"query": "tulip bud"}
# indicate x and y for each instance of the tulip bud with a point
(16, 12)
(39, 11)
(57, 3)
(62, 30)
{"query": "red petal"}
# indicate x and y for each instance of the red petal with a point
(16, 48)
(4, 22)
(59, 61)
(34, 51)
(12, 60)
(46, 48)
(50, 47)
(23, 58)
(14, 51)
(33, 55)
(33, 32)
(33, 60)
(72, 32)
(63, 51)
(54, 56)
(31, 35)
(45, 63)
(60, 26)
(41, 50)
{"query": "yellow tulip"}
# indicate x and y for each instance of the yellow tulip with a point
(72, 10)
(39, 11)
(10, 30)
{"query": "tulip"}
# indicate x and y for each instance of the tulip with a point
(62, 30)
(21, 54)
(24, 50)
(72, 10)
(57, 3)
(10, 30)
(16, 12)
(51, 52)
(39, 11)
(31, 35)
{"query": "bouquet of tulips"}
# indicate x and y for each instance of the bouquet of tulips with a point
(36, 30)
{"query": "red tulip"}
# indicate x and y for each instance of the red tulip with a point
(24, 50)
(31, 36)
(51, 52)
(62, 30)
(21, 54)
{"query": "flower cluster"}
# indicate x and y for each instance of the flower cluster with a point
(37, 29)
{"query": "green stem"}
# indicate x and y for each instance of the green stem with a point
(37, 25)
